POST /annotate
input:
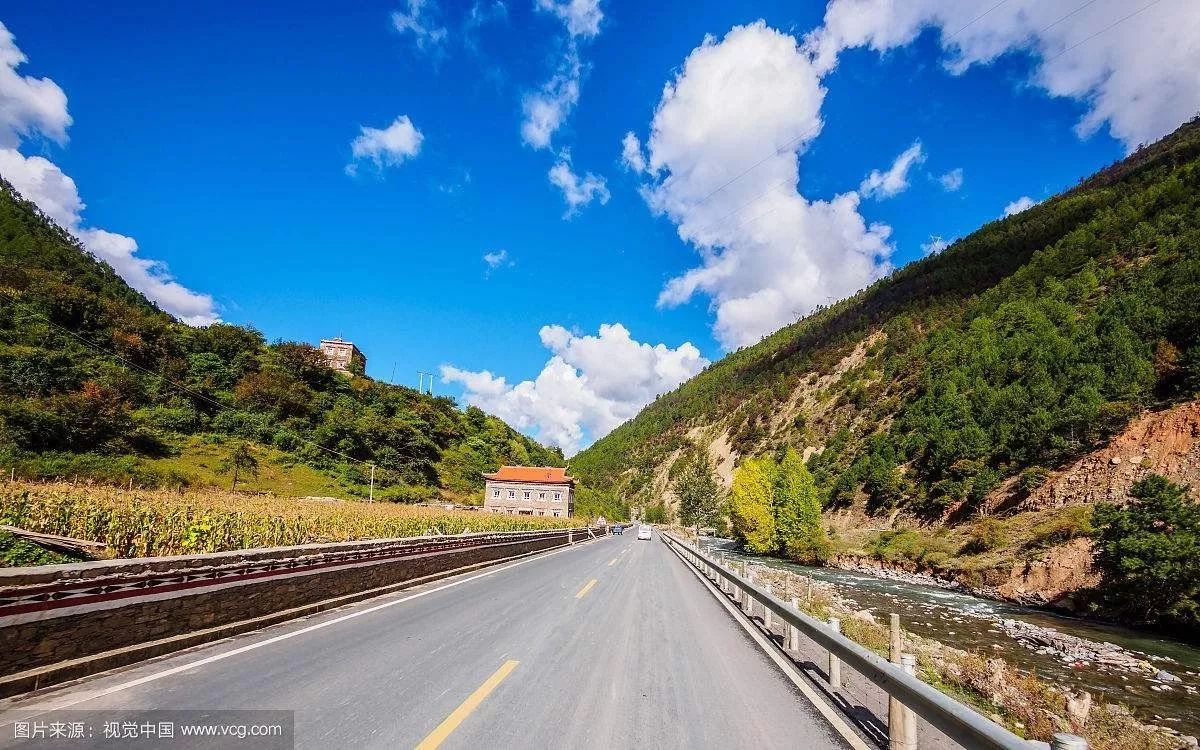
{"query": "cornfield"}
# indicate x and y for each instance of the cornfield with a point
(148, 523)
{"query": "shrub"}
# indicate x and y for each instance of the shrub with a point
(1063, 526)
(1033, 477)
(984, 536)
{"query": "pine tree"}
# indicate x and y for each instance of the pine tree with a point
(750, 505)
(701, 496)
(799, 529)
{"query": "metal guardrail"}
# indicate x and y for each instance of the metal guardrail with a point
(957, 721)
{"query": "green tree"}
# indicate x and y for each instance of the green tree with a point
(239, 461)
(1149, 553)
(799, 529)
(656, 513)
(750, 502)
(701, 495)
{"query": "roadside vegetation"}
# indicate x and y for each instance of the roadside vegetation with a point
(775, 509)
(147, 523)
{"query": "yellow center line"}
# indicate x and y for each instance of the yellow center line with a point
(613, 561)
(586, 588)
(439, 735)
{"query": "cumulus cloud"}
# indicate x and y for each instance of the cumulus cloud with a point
(547, 108)
(591, 384)
(895, 179)
(30, 107)
(631, 153)
(1134, 68)
(1019, 205)
(577, 191)
(767, 253)
(581, 17)
(952, 180)
(388, 147)
(418, 21)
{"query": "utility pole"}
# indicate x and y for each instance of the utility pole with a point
(371, 498)
(421, 382)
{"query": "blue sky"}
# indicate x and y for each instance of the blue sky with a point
(218, 137)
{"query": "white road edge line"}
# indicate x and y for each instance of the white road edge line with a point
(834, 718)
(54, 705)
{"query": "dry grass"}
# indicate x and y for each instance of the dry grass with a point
(146, 523)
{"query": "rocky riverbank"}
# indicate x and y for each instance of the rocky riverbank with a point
(1031, 705)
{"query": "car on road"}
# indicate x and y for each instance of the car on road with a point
(644, 532)
(618, 529)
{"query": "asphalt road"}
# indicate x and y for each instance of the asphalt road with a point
(608, 644)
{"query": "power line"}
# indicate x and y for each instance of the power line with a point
(973, 20)
(163, 378)
(1081, 7)
(1090, 37)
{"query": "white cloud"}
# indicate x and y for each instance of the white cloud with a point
(577, 191)
(388, 147)
(590, 385)
(546, 109)
(1019, 205)
(581, 17)
(30, 106)
(934, 246)
(1135, 71)
(767, 253)
(43, 183)
(631, 153)
(895, 180)
(418, 21)
(496, 259)
(952, 180)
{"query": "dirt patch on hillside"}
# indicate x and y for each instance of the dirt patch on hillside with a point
(805, 397)
(720, 451)
(1051, 580)
(1163, 442)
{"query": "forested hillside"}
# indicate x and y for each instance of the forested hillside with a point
(1020, 347)
(97, 382)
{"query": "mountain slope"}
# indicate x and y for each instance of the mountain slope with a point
(1021, 347)
(96, 382)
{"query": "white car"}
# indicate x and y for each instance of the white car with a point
(644, 531)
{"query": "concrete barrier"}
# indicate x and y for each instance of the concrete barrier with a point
(60, 622)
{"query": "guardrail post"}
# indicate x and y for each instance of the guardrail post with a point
(895, 708)
(1064, 741)
(835, 664)
(793, 631)
(910, 720)
(767, 610)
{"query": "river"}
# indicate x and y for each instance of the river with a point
(972, 623)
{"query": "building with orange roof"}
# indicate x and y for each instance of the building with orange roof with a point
(529, 491)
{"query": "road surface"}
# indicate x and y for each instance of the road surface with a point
(608, 644)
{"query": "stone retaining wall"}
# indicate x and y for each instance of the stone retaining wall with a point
(52, 615)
